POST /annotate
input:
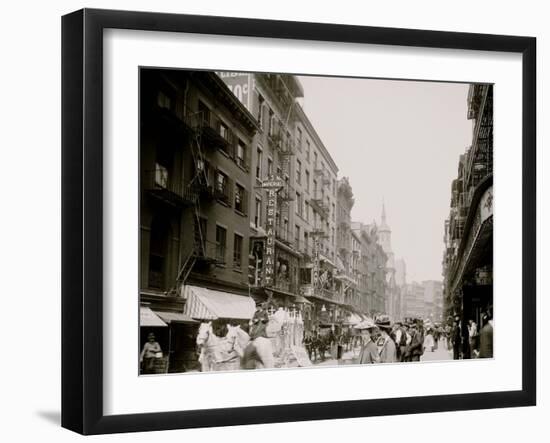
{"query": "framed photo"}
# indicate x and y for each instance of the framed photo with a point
(270, 221)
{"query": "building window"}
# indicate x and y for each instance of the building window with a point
(221, 238)
(315, 188)
(240, 158)
(307, 180)
(279, 172)
(164, 101)
(306, 242)
(271, 127)
(222, 187)
(261, 111)
(237, 251)
(158, 250)
(269, 166)
(333, 212)
(299, 204)
(204, 112)
(240, 199)
(224, 131)
(299, 139)
(297, 237)
(259, 161)
(307, 210)
(308, 151)
(161, 176)
(298, 171)
(258, 212)
(315, 160)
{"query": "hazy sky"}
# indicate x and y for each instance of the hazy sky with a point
(399, 142)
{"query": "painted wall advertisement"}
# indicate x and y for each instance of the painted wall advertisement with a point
(239, 84)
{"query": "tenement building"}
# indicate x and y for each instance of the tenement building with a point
(468, 256)
(288, 148)
(195, 168)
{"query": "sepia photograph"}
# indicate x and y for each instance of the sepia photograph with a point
(294, 221)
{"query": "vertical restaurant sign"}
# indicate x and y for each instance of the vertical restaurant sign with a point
(239, 84)
(272, 186)
(315, 262)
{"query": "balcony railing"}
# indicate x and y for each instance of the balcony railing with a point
(223, 193)
(318, 203)
(216, 134)
(160, 184)
(284, 235)
(211, 252)
(287, 193)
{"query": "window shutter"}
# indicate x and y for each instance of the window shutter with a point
(230, 191)
(247, 156)
(246, 198)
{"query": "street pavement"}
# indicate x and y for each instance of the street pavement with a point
(441, 353)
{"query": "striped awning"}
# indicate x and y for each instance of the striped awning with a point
(148, 318)
(175, 317)
(207, 304)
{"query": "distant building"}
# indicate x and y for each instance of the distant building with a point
(393, 294)
(372, 282)
(423, 300)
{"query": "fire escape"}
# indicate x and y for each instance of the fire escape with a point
(206, 133)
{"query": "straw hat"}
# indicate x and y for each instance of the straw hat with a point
(383, 322)
(366, 324)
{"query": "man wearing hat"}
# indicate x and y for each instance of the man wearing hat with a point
(151, 350)
(388, 352)
(416, 347)
(369, 351)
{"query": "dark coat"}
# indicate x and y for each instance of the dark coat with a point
(486, 341)
(416, 347)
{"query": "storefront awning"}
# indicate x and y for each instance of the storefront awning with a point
(207, 304)
(353, 319)
(300, 299)
(148, 318)
(175, 317)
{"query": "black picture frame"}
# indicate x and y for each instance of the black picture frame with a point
(82, 218)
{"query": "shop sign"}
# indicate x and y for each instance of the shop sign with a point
(272, 185)
(269, 253)
(486, 204)
(315, 272)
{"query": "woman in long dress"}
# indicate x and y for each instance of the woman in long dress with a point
(429, 340)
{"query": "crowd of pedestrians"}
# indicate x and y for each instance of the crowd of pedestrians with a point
(468, 340)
